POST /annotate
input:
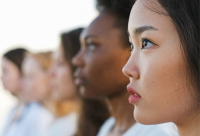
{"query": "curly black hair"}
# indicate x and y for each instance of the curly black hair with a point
(121, 8)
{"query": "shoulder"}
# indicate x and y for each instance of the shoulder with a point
(63, 126)
(152, 130)
(106, 127)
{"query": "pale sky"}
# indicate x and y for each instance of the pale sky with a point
(36, 25)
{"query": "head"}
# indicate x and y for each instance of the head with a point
(62, 68)
(11, 70)
(35, 68)
(164, 63)
(104, 51)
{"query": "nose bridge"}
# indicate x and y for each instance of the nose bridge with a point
(131, 69)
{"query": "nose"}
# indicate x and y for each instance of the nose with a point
(77, 60)
(131, 69)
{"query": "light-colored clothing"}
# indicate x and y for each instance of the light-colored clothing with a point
(139, 130)
(34, 121)
(65, 126)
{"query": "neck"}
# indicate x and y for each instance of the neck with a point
(122, 111)
(190, 125)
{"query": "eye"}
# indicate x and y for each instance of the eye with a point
(146, 43)
(90, 46)
(132, 47)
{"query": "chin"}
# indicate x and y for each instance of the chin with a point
(148, 118)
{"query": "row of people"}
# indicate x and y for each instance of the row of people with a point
(87, 85)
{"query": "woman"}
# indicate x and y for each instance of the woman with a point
(78, 117)
(104, 51)
(164, 63)
(36, 88)
(11, 70)
(11, 78)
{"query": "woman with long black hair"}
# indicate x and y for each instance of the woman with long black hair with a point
(164, 63)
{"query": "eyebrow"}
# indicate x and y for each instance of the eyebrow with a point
(141, 29)
(89, 36)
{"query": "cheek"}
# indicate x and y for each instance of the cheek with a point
(12, 83)
(163, 87)
(105, 72)
(64, 77)
(65, 84)
(41, 88)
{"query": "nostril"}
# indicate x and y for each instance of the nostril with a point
(129, 75)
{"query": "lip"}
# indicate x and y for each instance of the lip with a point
(79, 78)
(79, 81)
(134, 97)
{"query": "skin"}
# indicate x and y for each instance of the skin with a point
(157, 72)
(99, 62)
(11, 77)
(35, 81)
(61, 78)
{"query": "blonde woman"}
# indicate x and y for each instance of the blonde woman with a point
(36, 89)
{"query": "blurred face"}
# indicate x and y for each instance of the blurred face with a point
(10, 76)
(61, 78)
(157, 68)
(35, 80)
(101, 58)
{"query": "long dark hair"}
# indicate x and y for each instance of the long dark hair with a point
(185, 16)
(93, 112)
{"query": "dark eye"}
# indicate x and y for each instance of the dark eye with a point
(147, 43)
(132, 47)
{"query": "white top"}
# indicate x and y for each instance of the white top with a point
(140, 130)
(65, 126)
(34, 121)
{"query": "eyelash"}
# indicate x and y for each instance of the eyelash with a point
(142, 40)
(132, 47)
(146, 40)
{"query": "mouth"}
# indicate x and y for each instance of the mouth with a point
(79, 81)
(134, 97)
(79, 78)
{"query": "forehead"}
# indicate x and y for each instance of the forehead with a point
(149, 13)
(101, 26)
(6, 63)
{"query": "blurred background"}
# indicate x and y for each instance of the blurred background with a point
(36, 25)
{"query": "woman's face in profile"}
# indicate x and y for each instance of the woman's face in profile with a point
(11, 77)
(157, 67)
(35, 81)
(101, 59)
(62, 78)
